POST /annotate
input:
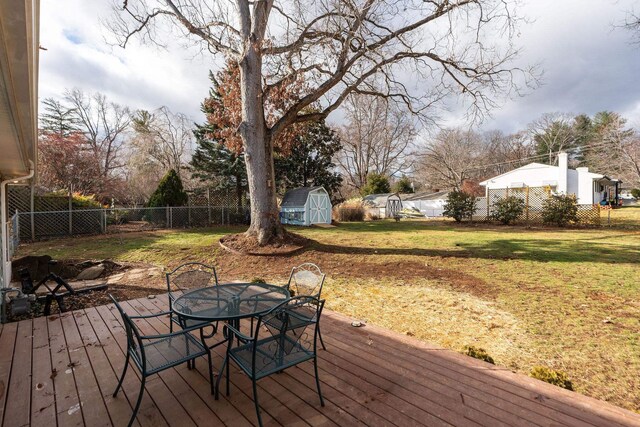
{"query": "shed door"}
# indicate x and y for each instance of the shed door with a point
(318, 208)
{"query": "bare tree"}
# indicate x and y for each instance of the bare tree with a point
(632, 23)
(615, 148)
(164, 137)
(337, 48)
(378, 138)
(452, 157)
(552, 133)
(506, 152)
(104, 125)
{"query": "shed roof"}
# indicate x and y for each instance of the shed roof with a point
(297, 197)
(428, 196)
(379, 200)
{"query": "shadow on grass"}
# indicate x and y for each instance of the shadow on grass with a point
(532, 250)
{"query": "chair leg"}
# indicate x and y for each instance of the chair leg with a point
(210, 371)
(135, 410)
(124, 372)
(315, 367)
(320, 336)
(255, 401)
(217, 394)
(228, 376)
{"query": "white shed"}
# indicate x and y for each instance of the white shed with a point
(306, 206)
(388, 205)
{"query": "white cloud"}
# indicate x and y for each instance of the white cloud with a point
(589, 66)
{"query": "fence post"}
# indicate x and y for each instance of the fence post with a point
(208, 206)
(70, 213)
(526, 203)
(222, 219)
(167, 214)
(188, 212)
(32, 215)
(170, 217)
(488, 204)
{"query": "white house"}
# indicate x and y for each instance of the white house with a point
(590, 188)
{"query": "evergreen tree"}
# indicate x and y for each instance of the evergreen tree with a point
(212, 161)
(309, 163)
(58, 119)
(403, 185)
(169, 192)
(376, 184)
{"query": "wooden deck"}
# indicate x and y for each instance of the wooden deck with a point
(62, 370)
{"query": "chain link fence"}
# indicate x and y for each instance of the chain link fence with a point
(533, 198)
(56, 215)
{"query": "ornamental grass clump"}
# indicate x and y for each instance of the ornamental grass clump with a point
(351, 210)
(551, 376)
(478, 353)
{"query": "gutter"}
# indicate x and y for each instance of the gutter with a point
(6, 262)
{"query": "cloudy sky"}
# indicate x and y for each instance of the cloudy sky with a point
(589, 64)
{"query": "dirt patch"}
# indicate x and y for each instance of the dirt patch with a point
(233, 266)
(242, 244)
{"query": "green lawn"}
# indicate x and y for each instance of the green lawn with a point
(566, 299)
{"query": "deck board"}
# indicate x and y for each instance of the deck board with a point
(61, 370)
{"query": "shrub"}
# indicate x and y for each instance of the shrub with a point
(376, 184)
(551, 376)
(81, 201)
(351, 210)
(169, 192)
(478, 353)
(560, 210)
(258, 280)
(459, 205)
(507, 209)
(635, 193)
(403, 185)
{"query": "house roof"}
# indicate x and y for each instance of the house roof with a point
(297, 197)
(593, 175)
(19, 22)
(427, 196)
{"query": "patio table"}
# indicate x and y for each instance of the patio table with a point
(229, 302)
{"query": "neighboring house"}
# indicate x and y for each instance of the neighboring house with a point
(306, 206)
(589, 188)
(429, 203)
(387, 205)
(19, 49)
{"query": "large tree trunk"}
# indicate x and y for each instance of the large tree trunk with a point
(265, 221)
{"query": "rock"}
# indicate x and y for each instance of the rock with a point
(91, 273)
(86, 264)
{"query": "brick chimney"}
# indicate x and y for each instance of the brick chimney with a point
(563, 172)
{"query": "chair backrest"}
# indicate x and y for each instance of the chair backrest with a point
(189, 276)
(134, 342)
(306, 279)
(286, 331)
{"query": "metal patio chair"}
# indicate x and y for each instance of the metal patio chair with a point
(307, 279)
(283, 337)
(186, 277)
(154, 353)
